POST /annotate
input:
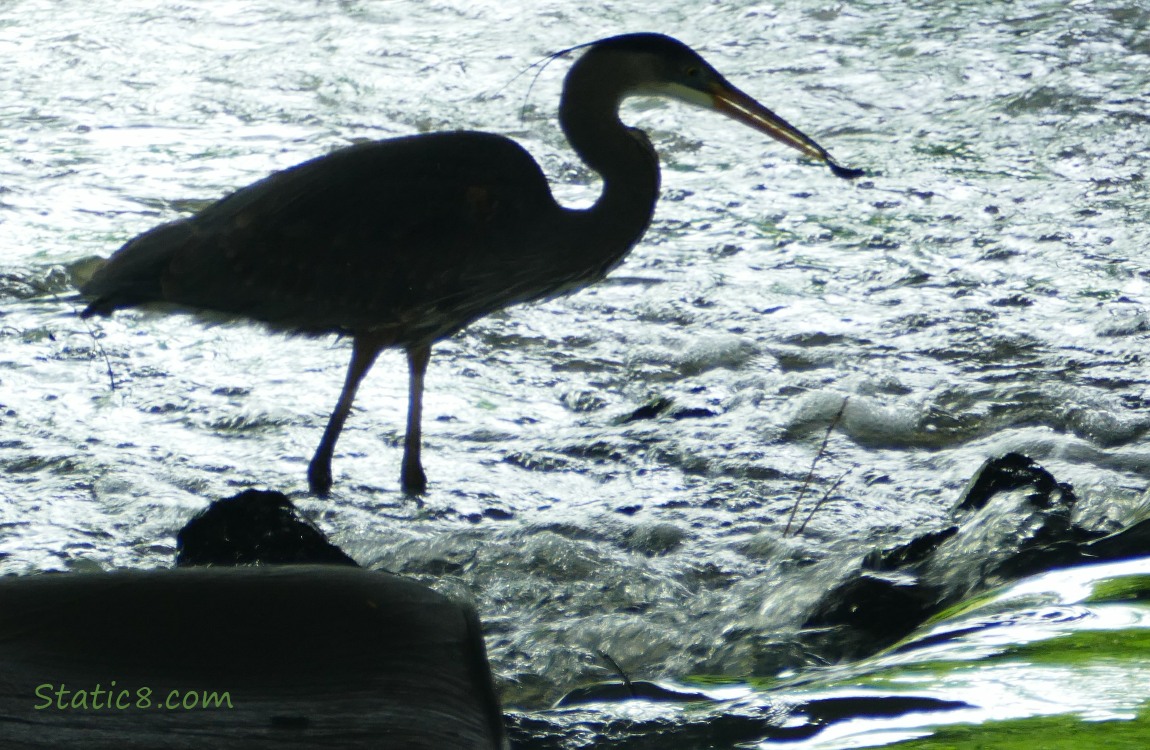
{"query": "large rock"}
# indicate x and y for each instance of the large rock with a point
(1014, 519)
(276, 656)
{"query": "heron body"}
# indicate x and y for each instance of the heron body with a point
(406, 241)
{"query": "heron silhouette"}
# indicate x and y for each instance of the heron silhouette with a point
(404, 242)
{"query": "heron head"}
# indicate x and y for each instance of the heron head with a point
(659, 65)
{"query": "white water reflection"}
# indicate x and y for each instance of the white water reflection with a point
(984, 291)
(1012, 686)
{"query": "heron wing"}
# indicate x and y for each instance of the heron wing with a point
(395, 234)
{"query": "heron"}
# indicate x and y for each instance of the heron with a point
(403, 242)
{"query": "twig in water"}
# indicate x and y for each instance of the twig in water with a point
(811, 474)
(822, 500)
(619, 671)
(103, 353)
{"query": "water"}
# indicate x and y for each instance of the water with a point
(1055, 645)
(981, 291)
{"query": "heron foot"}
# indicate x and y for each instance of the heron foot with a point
(319, 478)
(413, 479)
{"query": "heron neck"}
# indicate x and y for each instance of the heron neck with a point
(623, 158)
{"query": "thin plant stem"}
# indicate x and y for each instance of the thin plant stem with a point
(103, 353)
(811, 474)
(822, 500)
(619, 671)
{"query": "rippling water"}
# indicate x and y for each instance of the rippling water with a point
(983, 290)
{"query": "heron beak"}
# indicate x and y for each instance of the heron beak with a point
(742, 108)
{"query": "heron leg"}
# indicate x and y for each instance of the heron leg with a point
(412, 478)
(363, 353)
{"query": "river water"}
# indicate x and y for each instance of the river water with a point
(982, 290)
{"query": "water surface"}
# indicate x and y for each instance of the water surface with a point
(982, 291)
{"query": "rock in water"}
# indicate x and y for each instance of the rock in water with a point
(276, 656)
(1014, 519)
(255, 527)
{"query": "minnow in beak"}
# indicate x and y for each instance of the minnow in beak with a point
(733, 103)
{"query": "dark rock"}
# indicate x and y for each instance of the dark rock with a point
(606, 692)
(1122, 545)
(1010, 472)
(910, 553)
(654, 539)
(649, 410)
(830, 710)
(1022, 528)
(692, 412)
(1014, 519)
(866, 613)
(254, 527)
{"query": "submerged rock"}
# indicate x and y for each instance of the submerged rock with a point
(877, 609)
(609, 692)
(653, 539)
(662, 405)
(1013, 520)
(1133, 541)
(663, 723)
(649, 410)
(910, 553)
(830, 710)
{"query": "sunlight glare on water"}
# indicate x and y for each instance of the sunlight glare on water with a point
(982, 290)
(985, 663)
